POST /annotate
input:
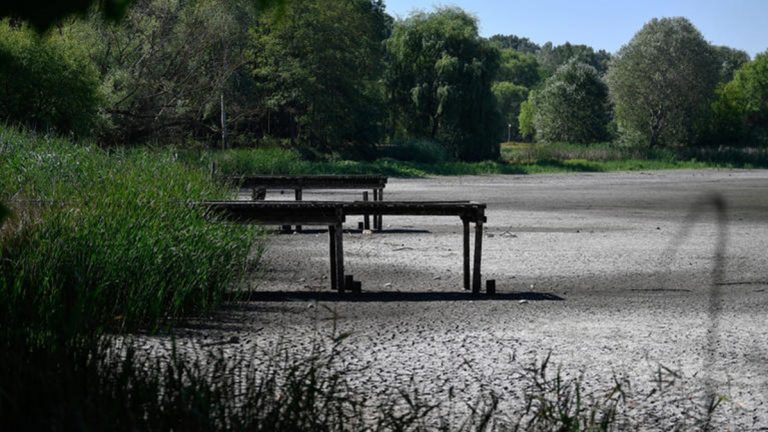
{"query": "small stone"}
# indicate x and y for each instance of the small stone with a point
(436, 278)
(388, 285)
(489, 235)
(302, 280)
(367, 232)
(523, 301)
(234, 339)
(311, 306)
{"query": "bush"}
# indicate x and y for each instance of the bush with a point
(106, 240)
(46, 82)
(416, 150)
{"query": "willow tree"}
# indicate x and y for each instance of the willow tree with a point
(439, 80)
(662, 81)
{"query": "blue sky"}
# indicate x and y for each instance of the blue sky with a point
(609, 24)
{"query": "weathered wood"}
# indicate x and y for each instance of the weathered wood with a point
(325, 212)
(478, 257)
(375, 219)
(310, 181)
(379, 218)
(490, 286)
(366, 217)
(298, 198)
(258, 194)
(339, 258)
(334, 213)
(332, 242)
(466, 253)
(349, 282)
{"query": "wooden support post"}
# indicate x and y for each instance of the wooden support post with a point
(490, 286)
(339, 256)
(298, 198)
(478, 256)
(379, 217)
(466, 253)
(258, 194)
(366, 217)
(375, 218)
(332, 243)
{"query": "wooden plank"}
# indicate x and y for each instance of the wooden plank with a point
(312, 212)
(310, 181)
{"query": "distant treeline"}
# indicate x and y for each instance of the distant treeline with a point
(345, 77)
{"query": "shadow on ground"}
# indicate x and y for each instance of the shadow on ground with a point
(387, 296)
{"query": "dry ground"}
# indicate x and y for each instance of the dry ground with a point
(611, 273)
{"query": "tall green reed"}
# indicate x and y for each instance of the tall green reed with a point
(106, 240)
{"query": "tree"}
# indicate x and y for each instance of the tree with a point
(47, 82)
(165, 66)
(509, 96)
(525, 119)
(42, 14)
(551, 57)
(439, 83)
(518, 68)
(741, 109)
(661, 82)
(521, 44)
(572, 106)
(319, 68)
(730, 60)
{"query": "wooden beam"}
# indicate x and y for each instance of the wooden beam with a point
(366, 217)
(298, 198)
(339, 257)
(332, 249)
(466, 253)
(310, 181)
(476, 278)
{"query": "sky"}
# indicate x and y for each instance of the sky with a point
(608, 24)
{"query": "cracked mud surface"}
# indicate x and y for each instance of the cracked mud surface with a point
(611, 273)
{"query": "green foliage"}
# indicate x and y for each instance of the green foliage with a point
(46, 82)
(164, 67)
(740, 113)
(730, 60)
(525, 118)
(439, 83)
(521, 44)
(318, 68)
(551, 57)
(421, 151)
(519, 68)
(42, 14)
(662, 81)
(509, 97)
(106, 241)
(572, 106)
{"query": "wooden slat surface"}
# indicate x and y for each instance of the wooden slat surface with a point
(310, 181)
(308, 212)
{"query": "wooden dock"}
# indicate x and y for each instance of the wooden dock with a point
(333, 214)
(260, 184)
